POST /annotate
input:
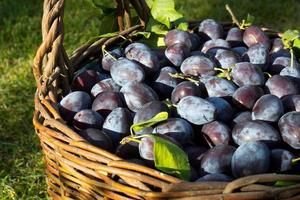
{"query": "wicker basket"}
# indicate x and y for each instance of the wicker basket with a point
(78, 170)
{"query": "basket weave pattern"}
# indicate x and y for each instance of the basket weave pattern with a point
(78, 170)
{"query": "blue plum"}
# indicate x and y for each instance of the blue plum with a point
(250, 158)
(73, 103)
(137, 94)
(124, 71)
(117, 124)
(196, 110)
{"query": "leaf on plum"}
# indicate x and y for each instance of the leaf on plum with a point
(170, 159)
(154, 120)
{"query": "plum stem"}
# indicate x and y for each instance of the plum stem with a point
(225, 73)
(292, 57)
(233, 17)
(134, 138)
(124, 38)
(169, 103)
(130, 139)
(185, 77)
(268, 74)
(107, 53)
(295, 160)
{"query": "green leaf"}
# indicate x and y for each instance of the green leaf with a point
(171, 159)
(288, 38)
(296, 43)
(154, 41)
(284, 183)
(149, 3)
(157, 118)
(296, 47)
(164, 12)
(156, 27)
(290, 35)
(250, 19)
(160, 42)
(183, 26)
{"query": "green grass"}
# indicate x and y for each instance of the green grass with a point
(21, 166)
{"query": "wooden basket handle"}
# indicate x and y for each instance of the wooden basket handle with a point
(52, 67)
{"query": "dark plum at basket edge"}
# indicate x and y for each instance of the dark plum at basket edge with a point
(250, 158)
(210, 29)
(176, 128)
(87, 119)
(73, 103)
(85, 80)
(291, 103)
(214, 43)
(281, 160)
(255, 131)
(218, 159)
(176, 36)
(267, 108)
(176, 53)
(109, 58)
(254, 35)
(103, 86)
(281, 86)
(144, 55)
(257, 55)
(128, 150)
(244, 73)
(137, 94)
(148, 111)
(185, 88)
(215, 178)
(146, 148)
(196, 110)
(164, 83)
(98, 138)
(247, 95)
(197, 66)
(218, 87)
(117, 124)
(289, 126)
(217, 132)
(224, 109)
(124, 71)
(105, 102)
(195, 154)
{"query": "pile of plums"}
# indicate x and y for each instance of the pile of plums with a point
(233, 99)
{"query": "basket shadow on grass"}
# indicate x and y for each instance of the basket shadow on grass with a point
(21, 165)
